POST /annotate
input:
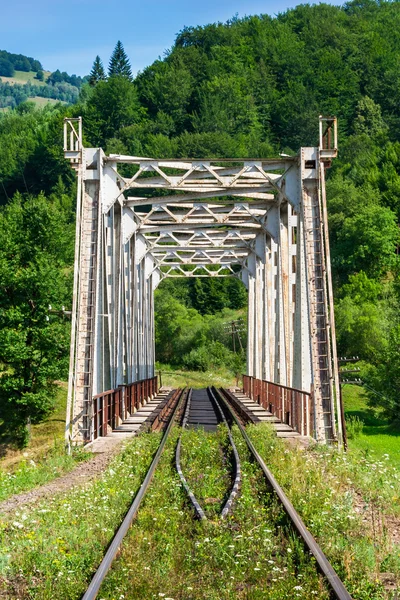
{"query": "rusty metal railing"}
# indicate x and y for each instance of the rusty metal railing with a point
(291, 406)
(113, 406)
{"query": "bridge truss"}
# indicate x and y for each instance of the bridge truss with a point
(140, 220)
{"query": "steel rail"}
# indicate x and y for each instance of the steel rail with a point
(238, 476)
(236, 484)
(99, 576)
(196, 505)
(323, 563)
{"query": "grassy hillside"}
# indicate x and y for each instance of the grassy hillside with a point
(40, 102)
(21, 77)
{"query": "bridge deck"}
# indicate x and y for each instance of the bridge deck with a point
(202, 412)
(260, 414)
(130, 426)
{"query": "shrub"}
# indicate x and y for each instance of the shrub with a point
(207, 356)
(354, 427)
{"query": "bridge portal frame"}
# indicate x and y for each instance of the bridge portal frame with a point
(265, 223)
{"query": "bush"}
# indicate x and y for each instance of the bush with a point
(354, 427)
(213, 354)
(197, 359)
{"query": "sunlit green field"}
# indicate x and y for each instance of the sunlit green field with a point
(21, 77)
(378, 437)
(175, 378)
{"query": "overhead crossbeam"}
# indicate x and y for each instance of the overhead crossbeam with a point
(201, 214)
(181, 198)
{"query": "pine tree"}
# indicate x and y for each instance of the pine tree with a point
(97, 73)
(119, 63)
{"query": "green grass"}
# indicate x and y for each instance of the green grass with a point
(175, 378)
(21, 77)
(379, 439)
(50, 551)
(30, 474)
(342, 498)
(250, 555)
(40, 102)
(43, 459)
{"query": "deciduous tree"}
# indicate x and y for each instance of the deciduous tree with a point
(35, 253)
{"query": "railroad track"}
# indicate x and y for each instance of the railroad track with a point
(207, 409)
(204, 410)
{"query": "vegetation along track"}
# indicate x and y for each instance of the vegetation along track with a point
(206, 409)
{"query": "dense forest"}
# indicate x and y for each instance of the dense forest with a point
(249, 87)
(9, 63)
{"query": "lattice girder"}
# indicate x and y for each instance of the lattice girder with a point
(255, 219)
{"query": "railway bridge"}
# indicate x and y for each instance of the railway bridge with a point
(263, 221)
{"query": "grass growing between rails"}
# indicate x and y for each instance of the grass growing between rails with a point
(375, 436)
(43, 459)
(206, 465)
(344, 500)
(168, 554)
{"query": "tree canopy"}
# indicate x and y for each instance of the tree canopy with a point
(35, 249)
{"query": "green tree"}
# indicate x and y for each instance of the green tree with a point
(364, 233)
(40, 75)
(112, 106)
(97, 73)
(6, 68)
(383, 379)
(35, 249)
(178, 328)
(362, 328)
(119, 63)
(369, 118)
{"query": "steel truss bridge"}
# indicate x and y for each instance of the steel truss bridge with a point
(264, 221)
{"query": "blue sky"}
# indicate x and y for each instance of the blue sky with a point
(68, 34)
